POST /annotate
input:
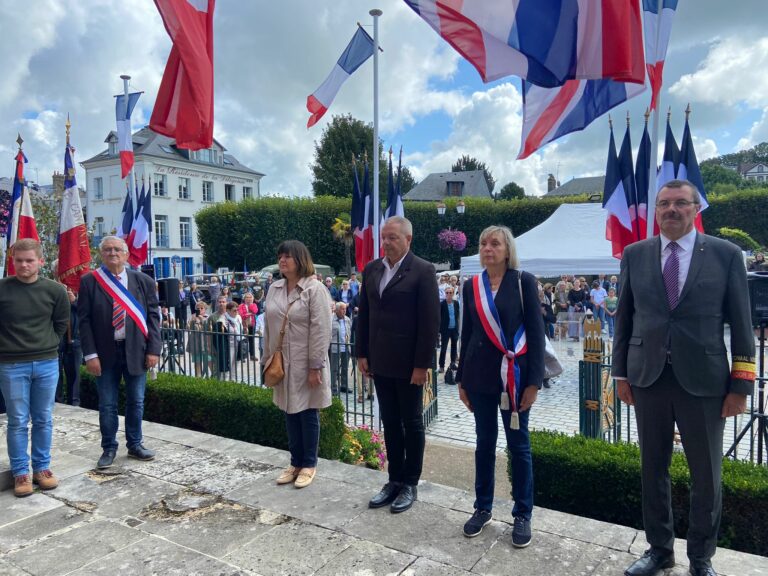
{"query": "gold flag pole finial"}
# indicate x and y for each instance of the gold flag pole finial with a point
(68, 125)
(19, 141)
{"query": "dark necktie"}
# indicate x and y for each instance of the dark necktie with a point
(672, 276)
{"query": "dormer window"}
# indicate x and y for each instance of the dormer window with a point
(455, 188)
(113, 148)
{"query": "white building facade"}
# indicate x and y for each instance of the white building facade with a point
(181, 183)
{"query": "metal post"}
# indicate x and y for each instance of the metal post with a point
(651, 206)
(131, 181)
(376, 204)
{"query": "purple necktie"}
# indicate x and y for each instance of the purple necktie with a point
(672, 276)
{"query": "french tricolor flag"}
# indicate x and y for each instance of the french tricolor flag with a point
(22, 223)
(74, 251)
(657, 22)
(359, 49)
(123, 110)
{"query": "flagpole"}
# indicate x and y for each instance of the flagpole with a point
(376, 204)
(650, 210)
(131, 176)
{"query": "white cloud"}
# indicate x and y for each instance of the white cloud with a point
(758, 133)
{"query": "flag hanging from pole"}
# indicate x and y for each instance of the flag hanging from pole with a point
(667, 171)
(138, 247)
(123, 110)
(657, 23)
(689, 170)
(642, 184)
(126, 216)
(184, 105)
(359, 49)
(356, 218)
(545, 43)
(22, 220)
(394, 198)
(618, 224)
(74, 250)
(364, 236)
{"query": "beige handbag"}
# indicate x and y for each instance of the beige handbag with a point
(274, 372)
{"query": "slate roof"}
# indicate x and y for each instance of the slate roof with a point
(149, 143)
(576, 186)
(435, 186)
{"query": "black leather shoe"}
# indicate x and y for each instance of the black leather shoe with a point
(702, 570)
(650, 564)
(141, 453)
(106, 460)
(404, 500)
(386, 496)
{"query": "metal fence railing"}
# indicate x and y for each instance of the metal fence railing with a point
(235, 357)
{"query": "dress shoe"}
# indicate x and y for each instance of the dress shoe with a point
(45, 480)
(387, 495)
(22, 486)
(305, 477)
(106, 460)
(702, 570)
(404, 500)
(141, 453)
(650, 564)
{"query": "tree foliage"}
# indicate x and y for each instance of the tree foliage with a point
(408, 182)
(714, 175)
(753, 155)
(512, 191)
(469, 163)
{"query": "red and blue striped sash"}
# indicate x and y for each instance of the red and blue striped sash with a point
(120, 295)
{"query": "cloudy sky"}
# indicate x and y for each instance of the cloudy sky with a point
(66, 56)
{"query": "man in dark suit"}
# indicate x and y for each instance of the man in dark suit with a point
(398, 321)
(120, 336)
(670, 360)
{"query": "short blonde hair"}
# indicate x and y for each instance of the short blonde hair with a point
(24, 244)
(509, 241)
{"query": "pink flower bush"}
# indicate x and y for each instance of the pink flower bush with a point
(450, 239)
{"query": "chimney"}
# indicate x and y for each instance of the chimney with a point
(551, 184)
(58, 185)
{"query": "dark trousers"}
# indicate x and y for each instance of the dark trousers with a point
(486, 409)
(339, 370)
(401, 405)
(452, 335)
(303, 437)
(251, 330)
(70, 360)
(657, 409)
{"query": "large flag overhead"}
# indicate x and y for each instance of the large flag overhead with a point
(22, 221)
(138, 245)
(123, 110)
(642, 183)
(394, 192)
(618, 224)
(689, 170)
(658, 27)
(74, 251)
(126, 215)
(543, 42)
(184, 105)
(359, 49)
(549, 113)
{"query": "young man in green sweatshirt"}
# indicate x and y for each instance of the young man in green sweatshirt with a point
(34, 313)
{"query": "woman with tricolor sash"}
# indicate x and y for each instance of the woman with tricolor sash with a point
(501, 368)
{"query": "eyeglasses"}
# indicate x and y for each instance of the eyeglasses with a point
(108, 250)
(664, 204)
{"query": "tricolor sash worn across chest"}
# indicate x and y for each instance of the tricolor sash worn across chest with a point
(119, 293)
(489, 318)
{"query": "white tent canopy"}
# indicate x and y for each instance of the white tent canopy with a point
(571, 241)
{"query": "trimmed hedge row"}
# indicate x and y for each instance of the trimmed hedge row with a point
(226, 409)
(600, 480)
(248, 233)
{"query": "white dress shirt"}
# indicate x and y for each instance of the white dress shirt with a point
(684, 255)
(389, 272)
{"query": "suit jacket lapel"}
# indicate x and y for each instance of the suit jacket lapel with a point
(376, 273)
(656, 273)
(401, 271)
(697, 259)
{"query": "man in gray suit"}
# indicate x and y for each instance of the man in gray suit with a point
(669, 357)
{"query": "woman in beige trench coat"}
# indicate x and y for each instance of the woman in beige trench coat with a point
(306, 387)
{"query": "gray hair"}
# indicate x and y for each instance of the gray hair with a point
(339, 305)
(509, 240)
(106, 239)
(405, 225)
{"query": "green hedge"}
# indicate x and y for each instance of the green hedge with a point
(601, 480)
(226, 409)
(248, 233)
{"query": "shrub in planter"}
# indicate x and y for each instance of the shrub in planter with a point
(228, 409)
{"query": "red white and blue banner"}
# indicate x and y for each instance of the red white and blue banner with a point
(184, 105)
(617, 198)
(489, 318)
(642, 185)
(394, 190)
(668, 169)
(359, 49)
(123, 110)
(74, 250)
(545, 43)
(22, 220)
(126, 215)
(658, 28)
(138, 239)
(689, 170)
(363, 225)
(120, 294)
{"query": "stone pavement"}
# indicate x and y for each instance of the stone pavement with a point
(209, 505)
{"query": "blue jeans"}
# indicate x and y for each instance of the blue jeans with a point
(303, 437)
(486, 407)
(600, 315)
(108, 385)
(29, 389)
(610, 320)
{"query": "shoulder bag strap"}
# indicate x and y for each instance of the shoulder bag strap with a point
(282, 328)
